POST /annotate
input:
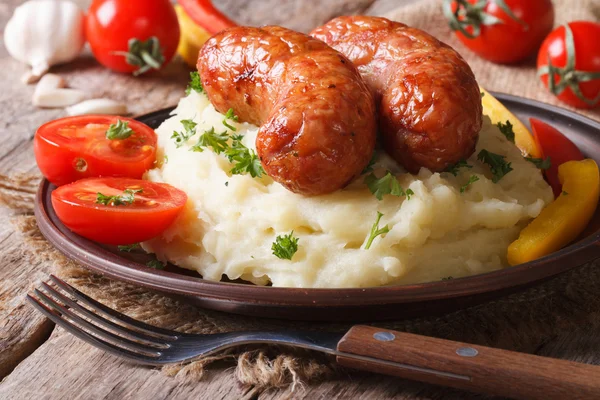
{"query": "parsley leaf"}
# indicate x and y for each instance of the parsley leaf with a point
(370, 165)
(454, 169)
(507, 130)
(481, 94)
(498, 166)
(447, 278)
(229, 115)
(127, 198)
(189, 127)
(376, 231)
(540, 162)
(128, 248)
(246, 161)
(195, 84)
(388, 184)
(284, 247)
(218, 141)
(472, 179)
(155, 264)
(564, 193)
(120, 130)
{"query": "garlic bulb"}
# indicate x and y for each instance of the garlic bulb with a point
(43, 33)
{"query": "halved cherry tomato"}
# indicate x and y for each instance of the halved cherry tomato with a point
(149, 208)
(73, 148)
(206, 15)
(569, 63)
(132, 35)
(502, 31)
(558, 147)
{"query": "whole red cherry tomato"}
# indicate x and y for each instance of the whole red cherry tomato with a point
(569, 63)
(502, 31)
(132, 35)
(117, 210)
(73, 148)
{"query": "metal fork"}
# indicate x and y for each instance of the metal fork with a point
(426, 359)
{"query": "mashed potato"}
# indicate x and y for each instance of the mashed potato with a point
(231, 221)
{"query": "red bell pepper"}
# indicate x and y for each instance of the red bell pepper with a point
(206, 15)
(558, 147)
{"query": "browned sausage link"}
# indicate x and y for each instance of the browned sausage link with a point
(316, 115)
(428, 101)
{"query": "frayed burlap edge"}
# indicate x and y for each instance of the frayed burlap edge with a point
(258, 368)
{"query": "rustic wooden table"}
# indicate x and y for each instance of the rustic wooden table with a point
(39, 361)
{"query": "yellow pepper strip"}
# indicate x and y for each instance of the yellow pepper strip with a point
(565, 218)
(498, 113)
(192, 37)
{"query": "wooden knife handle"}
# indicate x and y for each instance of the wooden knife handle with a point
(466, 366)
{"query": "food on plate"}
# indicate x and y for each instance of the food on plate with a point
(117, 210)
(502, 31)
(433, 225)
(316, 115)
(501, 116)
(563, 220)
(557, 148)
(427, 97)
(192, 37)
(73, 148)
(204, 14)
(133, 36)
(569, 63)
(41, 42)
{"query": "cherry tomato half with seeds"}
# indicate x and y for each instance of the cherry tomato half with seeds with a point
(117, 210)
(501, 31)
(569, 63)
(73, 148)
(132, 35)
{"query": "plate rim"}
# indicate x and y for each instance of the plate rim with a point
(101, 260)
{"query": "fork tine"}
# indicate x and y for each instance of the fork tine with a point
(102, 333)
(86, 337)
(113, 314)
(131, 334)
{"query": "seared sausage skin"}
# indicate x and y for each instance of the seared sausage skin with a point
(428, 100)
(316, 115)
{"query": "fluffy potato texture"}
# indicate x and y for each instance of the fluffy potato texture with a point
(231, 221)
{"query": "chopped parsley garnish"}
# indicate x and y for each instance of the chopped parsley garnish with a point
(218, 141)
(155, 264)
(498, 166)
(370, 165)
(126, 198)
(481, 94)
(189, 127)
(244, 159)
(388, 184)
(166, 159)
(564, 193)
(447, 278)
(507, 130)
(230, 116)
(128, 248)
(454, 169)
(195, 84)
(472, 179)
(541, 163)
(376, 231)
(284, 247)
(120, 131)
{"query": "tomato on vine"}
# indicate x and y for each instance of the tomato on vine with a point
(569, 63)
(502, 31)
(132, 36)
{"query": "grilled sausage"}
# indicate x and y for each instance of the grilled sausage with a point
(316, 115)
(428, 101)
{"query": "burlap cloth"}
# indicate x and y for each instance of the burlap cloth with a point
(522, 322)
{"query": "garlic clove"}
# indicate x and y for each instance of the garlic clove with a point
(49, 82)
(98, 106)
(58, 98)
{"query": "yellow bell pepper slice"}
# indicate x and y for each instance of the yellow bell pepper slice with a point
(498, 113)
(192, 37)
(565, 218)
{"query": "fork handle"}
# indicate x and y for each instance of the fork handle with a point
(465, 366)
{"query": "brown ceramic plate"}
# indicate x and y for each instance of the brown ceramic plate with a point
(376, 303)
